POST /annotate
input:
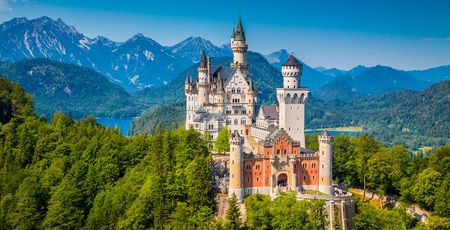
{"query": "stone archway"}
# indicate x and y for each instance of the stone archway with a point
(282, 180)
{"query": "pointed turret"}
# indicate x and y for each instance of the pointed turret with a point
(239, 35)
(239, 46)
(203, 60)
(203, 80)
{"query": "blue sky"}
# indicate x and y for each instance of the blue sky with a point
(402, 34)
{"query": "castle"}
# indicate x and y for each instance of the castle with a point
(267, 154)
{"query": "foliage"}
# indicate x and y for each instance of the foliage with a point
(222, 143)
(69, 174)
(233, 216)
(13, 101)
(371, 218)
(166, 116)
(285, 212)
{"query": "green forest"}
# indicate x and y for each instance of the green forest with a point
(68, 174)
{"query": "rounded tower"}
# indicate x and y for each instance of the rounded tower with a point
(203, 81)
(239, 46)
(291, 71)
(236, 162)
(326, 163)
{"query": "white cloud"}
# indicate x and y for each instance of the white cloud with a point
(5, 6)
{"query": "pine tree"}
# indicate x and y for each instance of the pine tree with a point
(233, 214)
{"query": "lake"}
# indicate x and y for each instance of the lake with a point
(122, 124)
(334, 132)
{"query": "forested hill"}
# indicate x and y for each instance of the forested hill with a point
(68, 88)
(69, 174)
(407, 118)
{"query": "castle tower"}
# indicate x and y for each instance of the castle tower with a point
(239, 46)
(292, 99)
(236, 162)
(326, 163)
(291, 71)
(203, 81)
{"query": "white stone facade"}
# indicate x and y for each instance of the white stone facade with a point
(222, 96)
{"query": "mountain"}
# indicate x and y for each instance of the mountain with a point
(79, 91)
(333, 72)
(410, 118)
(144, 63)
(311, 78)
(137, 63)
(190, 49)
(433, 75)
(356, 70)
(373, 81)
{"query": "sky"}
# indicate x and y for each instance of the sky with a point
(404, 34)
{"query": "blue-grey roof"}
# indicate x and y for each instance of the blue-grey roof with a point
(270, 112)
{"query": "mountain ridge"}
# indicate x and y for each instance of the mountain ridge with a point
(79, 91)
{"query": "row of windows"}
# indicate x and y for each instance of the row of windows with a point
(257, 166)
(236, 121)
(236, 90)
(236, 111)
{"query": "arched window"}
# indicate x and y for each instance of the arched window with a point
(295, 98)
(248, 166)
(236, 121)
(313, 165)
(243, 121)
(288, 98)
(304, 165)
(258, 166)
(278, 152)
(284, 151)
